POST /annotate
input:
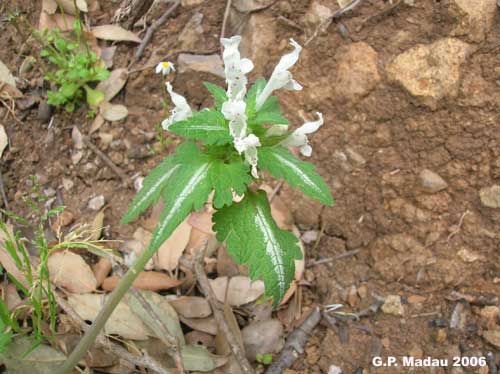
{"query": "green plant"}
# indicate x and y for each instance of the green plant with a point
(226, 146)
(76, 68)
(264, 359)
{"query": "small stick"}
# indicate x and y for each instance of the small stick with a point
(275, 191)
(202, 278)
(459, 226)
(224, 23)
(107, 161)
(145, 361)
(151, 29)
(295, 343)
(331, 259)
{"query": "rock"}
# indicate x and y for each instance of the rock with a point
(492, 337)
(96, 203)
(192, 32)
(211, 64)
(392, 305)
(489, 314)
(190, 3)
(466, 255)
(317, 14)
(258, 37)
(430, 71)
(44, 111)
(262, 337)
(334, 370)
(357, 72)
(431, 182)
(138, 182)
(310, 236)
(476, 18)
(490, 196)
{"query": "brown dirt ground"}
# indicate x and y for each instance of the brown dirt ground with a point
(401, 232)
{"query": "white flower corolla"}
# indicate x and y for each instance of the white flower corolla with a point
(298, 138)
(234, 111)
(277, 130)
(281, 77)
(164, 67)
(181, 111)
(235, 68)
(248, 145)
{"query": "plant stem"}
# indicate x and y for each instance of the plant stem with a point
(113, 300)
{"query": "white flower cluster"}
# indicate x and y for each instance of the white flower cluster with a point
(234, 109)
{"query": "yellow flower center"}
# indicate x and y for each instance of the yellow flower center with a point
(165, 64)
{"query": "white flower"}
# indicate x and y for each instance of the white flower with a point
(181, 110)
(249, 145)
(165, 67)
(277, 130)
(234, 111)
(235, 68)
(281, 77)
(299, 138)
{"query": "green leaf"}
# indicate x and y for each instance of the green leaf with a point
(253, 238)
(228, 177)
(190, 191)
(282, 164)
(218, 93)
(270, 113)
(208, 126)
(252, 96)
(151, 189)
(94, 97)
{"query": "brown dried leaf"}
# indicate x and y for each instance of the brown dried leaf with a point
(11, 297)
(167, 257)
(70, 271)
(202, 221)
(96, 124)
(4, 140)
(114, 33)
(115, 82)
(192, 306)
(101, 270)
(63, 22)
(49, 6)
(207, 325)
(107, 54)
(241, 290)
(113, 112)
(147, 280)
(6, 76)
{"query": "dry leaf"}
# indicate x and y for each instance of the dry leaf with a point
(281, 214)
(289, 293)
(197, 240)
(200, 338)
(144, 237)
(113, 112)
(6, 260)
(121, 322)
(107, 54)
(167, 257)
(97, 225)
(147, 280)
(241, 290)
(68, 6)
(114, 33)
(192, 306)
(202, 221)
(6, 76)
(70, 271)
(101, 270)
(115, 82)
(198, 358)
(4, 140)
(96, 124)
(63, 22)
(206, 325)
(77, 138)
(11, 297)
(49, 6)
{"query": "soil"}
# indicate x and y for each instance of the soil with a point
(377, 138)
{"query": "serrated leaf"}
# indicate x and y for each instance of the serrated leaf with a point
(226, 178)
(151, 189)
(190, 191)
(208, 126)
(282, 164)
(254, 239)
(270, 113)
(218, 93)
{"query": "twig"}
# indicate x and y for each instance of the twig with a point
(277, 189)
(145, 360)
(202, 278)
(294, 345)
(224, 23)
(331, 259)
(126, 180)
(459, 226)
(353, 4)
(154, 26)
(165, 333)
(2, 191)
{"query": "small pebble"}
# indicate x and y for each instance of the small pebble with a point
(96, 203)
(138, 183)
(44, 111)
(432, 182)
(309, 236)
(392, 305)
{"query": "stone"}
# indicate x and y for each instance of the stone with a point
(211, 64)
(334, 370)
(138, 183)
(431, 182)
(192, 32)
(489, 314)
(492, 337)
(257, 38)
(317, 14)
(96, 203)
(430, 72)
(356, 72)
(262, 337)
(466, 255)
(475, 17)
(310, 236)
(490, 196)
(392, 305)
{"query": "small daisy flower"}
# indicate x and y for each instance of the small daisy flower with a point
(165, 67)
(181, 111)
(298, 138)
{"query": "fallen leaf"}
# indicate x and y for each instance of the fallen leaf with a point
(77, 138)
(49, 6)
(70, 271)
(202, 221)
(299, 264)
(147, 280)
(4, 140)
(206, 325)
(107, 54)
(101, 270)
(200, 338)
(198, 358)
(241, 290)
(113, 112)
(115, 82)
(247, 6)
(281, 214)
(191, 306)
(289, 293)
(163, 310)
(143, 237)
(6, 76)
(115, 33)
(97, 226)
(20, 358)
(96, 124)
(197, 239)
(121, 322)
(68, 6)
(11, 297)
(262, 337)
(5, 258)
(63, 22)
(167, 257)
(222, 346)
